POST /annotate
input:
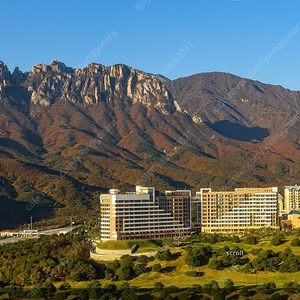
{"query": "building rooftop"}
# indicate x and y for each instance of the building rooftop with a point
(292, 187)
(294, 212)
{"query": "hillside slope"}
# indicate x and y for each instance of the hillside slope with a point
(67, 135)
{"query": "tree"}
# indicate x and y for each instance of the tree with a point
(65, 286)
(142, 259)
(111, 288)
(94, 289)
(219, 295)
(83, 294)
(295, 242)
(129, 295)
(163, 255)
(49, 288)
(158, 287)
(291, 287)
(244, 292)
(211, 288)
(184, 296)
(172, 289)
(196, 288)
(251, 240)
(277, 240)
(215, 264)
(156, 268)
(60, 296)
(229, 286)
(276, 296)
(267, 288)
(236, 239)
(191, 273)
(123, 273)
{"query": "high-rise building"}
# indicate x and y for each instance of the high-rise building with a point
(291, 198)
(143, 214)
(238, 210)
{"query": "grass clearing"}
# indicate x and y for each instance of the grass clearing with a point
(144, 245)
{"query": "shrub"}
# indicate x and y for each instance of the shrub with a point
(191, 273)
(256, 251)
(163, 255)
(295, 242)
(215, 264)
(244, 292)
(277, 240)
(251, 240)
(142, 259)
(65, 286)
(267, 288)
(235, 239)
(229, 286)
(291, 287)
(156, 268)
(158, 287)
(196, 288)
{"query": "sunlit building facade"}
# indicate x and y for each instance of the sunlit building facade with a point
(143, 214)
(238, 210)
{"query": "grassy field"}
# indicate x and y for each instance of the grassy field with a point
(173, 271)
(144, 245)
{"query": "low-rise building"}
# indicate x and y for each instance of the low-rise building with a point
(7, 232)
(294, 218)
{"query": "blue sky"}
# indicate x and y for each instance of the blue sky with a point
(219, 35)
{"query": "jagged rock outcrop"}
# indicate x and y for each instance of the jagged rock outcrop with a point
(97, 83)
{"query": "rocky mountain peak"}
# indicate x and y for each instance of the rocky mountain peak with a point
(4, 72)
(113, 85)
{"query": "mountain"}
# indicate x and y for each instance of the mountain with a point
(66, 135)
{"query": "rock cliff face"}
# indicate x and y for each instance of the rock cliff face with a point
(96, 83)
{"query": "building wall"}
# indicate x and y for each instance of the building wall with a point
(142, 215)
(292, 198)
(235, 211)
(295, 220)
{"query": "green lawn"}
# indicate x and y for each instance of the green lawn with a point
(173, 274)
(173, 271)
(144, 245)
(117, 245)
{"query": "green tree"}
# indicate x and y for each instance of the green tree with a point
(267, 288)
(94, 289)
(229, 286)
(156, 268)
(196, 288)
(60, 296)
(291, 287)
(244, 292)
(295, 242)
(65, 286)
(215, 264)
(236, 239)
(158, 287)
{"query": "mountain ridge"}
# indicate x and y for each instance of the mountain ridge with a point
(51, 115)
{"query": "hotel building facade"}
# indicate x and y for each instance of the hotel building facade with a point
(291, 198)
(238, 210)
(145, 214)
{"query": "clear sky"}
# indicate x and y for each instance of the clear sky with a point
(209, 35)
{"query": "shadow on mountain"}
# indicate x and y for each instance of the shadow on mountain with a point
(16, 146)
(16, 213)
(239, 132)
